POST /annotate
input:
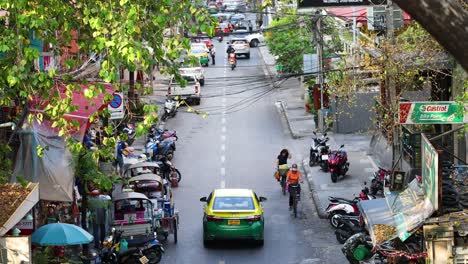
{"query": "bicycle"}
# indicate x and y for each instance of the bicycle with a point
(295, 192)
(283, 171)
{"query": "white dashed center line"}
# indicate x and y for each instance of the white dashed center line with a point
(223, 158)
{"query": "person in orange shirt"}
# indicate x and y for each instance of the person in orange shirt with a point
(293, 178)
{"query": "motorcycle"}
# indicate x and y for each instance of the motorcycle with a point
(381, 179)
(129, 129)
(338, 163)
(160, 134)
(169, 172)
(220, 38)
(232, 60)
(342, 206)
(170, 109)
(348, 226)
(146, 251)
(283, 171)
(318, 149)
(156, 148)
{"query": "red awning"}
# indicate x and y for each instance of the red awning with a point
(86, 108)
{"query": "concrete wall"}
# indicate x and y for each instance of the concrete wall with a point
(354, 114)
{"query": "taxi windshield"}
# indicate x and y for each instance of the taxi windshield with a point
(233, 203)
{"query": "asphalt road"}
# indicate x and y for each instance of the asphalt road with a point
(235, 147)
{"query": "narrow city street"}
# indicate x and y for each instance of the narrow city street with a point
(235, 146)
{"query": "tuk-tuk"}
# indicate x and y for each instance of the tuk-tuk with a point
(131, 170)
(166, 218)
(133, 213)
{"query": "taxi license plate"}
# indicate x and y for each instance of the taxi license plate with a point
(324, 157)
(234, 222)
(144, 260)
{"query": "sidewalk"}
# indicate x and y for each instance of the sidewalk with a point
(290, 100)
(291, 107)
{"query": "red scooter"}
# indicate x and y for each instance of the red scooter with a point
(381, 179)
(338, 163)
(232, 60)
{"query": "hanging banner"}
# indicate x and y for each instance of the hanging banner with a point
(430, 171)
(431, 113)
(333, 3)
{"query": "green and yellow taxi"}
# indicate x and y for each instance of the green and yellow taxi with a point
(199, 50)
(233, 214)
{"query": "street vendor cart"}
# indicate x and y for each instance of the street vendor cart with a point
(166, 217)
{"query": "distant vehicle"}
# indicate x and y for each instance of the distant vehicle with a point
(255, 39)
(236, 7)
(237, 18)
(213, 7)
(192, 66)
(223, 27)
(233, 214)
(241, 46)
(200, 51)
(190, 92)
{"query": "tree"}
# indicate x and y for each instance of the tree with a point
(127, 34)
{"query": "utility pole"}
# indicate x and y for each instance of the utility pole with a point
(391, 89)
(319, 47)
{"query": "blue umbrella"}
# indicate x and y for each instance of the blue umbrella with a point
(60, 234)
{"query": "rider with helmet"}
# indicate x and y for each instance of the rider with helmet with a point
(292, 178)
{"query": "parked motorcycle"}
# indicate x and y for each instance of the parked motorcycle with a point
(232, 60)
(338, 163)
(170, 108)
(169, 172)
(318, 149)
(342, 206)
(156, 149)
(147, 251)
(348, 226)
(129, 129)
(381, 179)
(160, 134)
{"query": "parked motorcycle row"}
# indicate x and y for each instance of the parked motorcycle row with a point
(335, 161)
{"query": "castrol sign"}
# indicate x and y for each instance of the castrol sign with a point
(432, 113)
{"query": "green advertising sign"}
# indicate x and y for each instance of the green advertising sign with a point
(432, 113)
(430, 171)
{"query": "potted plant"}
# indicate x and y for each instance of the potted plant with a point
(105, 155)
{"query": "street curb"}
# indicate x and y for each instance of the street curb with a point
(285, 114)
(320, 211)
(266, 65)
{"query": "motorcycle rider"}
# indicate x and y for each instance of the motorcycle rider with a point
(230, 50)
(293, 177)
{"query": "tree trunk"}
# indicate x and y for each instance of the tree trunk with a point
(445, 20)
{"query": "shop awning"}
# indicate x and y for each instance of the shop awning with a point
(396, 215)
(86, 108)
(17, 210)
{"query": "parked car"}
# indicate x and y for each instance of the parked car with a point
(241, 46)
(190, 92)
(233, 214)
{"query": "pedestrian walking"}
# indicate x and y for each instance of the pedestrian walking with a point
(213, 54)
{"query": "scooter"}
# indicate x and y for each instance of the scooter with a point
(129, 129)
(381, 179)
(348, 226)
(232, 60)
(338, 163)
(220, 38)
(146, 251)
(170, 109)
(158, 133)
(169, 171)
(156, 148)
(342, 206)
(318, 149)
